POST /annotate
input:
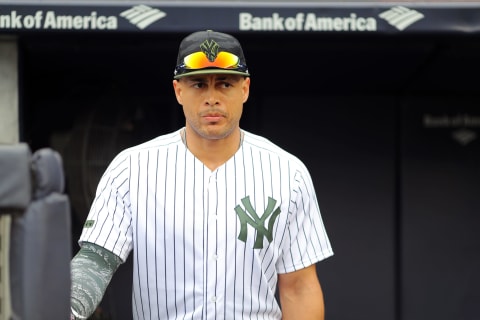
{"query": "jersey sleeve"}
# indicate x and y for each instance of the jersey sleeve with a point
(307, 240)
(109, 221)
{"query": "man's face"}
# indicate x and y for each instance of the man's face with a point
(212, 104)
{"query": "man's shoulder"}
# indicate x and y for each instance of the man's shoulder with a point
(171, 138)
(159, 143)
(275, 153)
(263, 143)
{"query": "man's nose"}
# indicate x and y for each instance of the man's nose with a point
(212, 97)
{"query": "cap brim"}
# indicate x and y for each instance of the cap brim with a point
(211, 71)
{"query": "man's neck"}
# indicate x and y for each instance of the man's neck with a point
(213, 152)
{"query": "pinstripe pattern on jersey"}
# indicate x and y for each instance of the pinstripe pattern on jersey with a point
(179, 219)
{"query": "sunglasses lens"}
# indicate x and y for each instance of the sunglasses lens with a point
(224, 60)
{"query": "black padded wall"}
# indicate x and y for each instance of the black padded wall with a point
(440, 208)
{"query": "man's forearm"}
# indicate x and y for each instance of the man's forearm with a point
(310, 307)
(301, 296)
(92, 268)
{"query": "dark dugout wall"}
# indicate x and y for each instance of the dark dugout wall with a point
(388, 124)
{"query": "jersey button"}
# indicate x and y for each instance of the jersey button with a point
(213, 299)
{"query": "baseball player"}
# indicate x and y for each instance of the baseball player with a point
(217, 218)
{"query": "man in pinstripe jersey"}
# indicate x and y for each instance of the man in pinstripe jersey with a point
(216, 217)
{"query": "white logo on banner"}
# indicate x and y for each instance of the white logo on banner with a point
(142, 16)
(464, 136)
(463, 125)
(401, 17)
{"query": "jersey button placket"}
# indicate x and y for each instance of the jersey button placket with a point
(211, 263)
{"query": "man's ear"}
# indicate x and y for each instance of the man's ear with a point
(178, 91)
(246, 89)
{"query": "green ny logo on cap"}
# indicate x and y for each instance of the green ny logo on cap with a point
(210, 48)
(251, 217)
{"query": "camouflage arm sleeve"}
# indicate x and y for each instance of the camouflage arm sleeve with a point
(92, 268)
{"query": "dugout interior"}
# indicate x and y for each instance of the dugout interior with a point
(388, 126)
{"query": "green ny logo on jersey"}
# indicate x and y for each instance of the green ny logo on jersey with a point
(251, 217)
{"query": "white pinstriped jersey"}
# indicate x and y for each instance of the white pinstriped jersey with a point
(207, 244)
